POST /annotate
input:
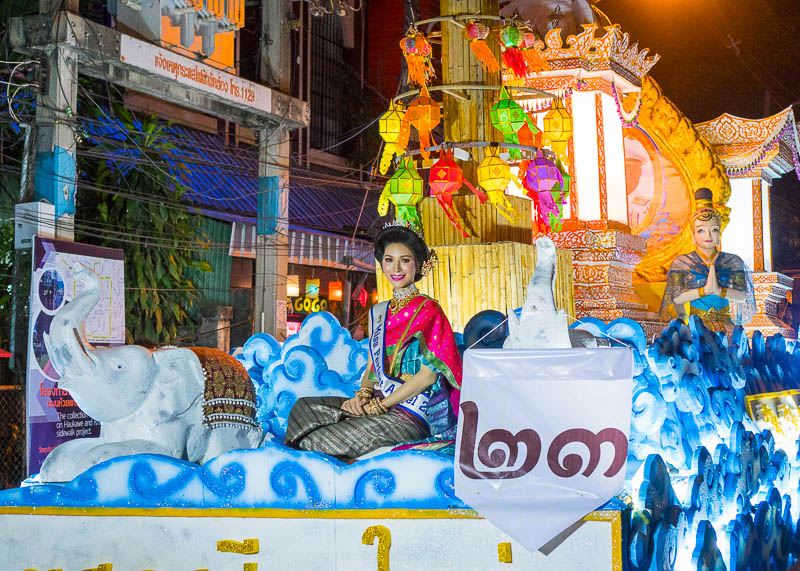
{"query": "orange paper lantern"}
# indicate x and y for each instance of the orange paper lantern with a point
(424, 114)
(417, 51)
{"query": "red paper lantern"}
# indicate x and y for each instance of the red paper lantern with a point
(445, 179)
(511, 39)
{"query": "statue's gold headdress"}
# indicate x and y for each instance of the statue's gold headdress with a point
(704, 206)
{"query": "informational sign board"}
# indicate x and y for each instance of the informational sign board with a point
(542, 436)
(52, 415)
(186, 71)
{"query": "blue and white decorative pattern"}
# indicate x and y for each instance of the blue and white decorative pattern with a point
(706, 488)
(321, 359)
(272, 476)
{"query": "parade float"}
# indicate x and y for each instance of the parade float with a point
(646, 444)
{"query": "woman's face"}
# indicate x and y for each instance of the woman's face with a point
(706, 234)
(399, 265)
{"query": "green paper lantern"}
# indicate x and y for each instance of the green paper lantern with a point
(509, 117)
(404, 189)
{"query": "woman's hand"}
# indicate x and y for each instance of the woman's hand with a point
(355, 406)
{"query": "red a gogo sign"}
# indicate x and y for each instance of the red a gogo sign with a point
(542, 436)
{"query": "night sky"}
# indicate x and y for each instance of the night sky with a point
(701, 69)
(727, 56)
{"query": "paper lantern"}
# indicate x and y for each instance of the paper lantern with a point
(445, 179)
(312, 289)
(417, 51)
(494, 174)
(558, 128)
(292, 286)
(511, 39)
(424, 114)
(547, 185)
(335, 292)
(374, 296)
(404, 189)
(509, 117)
(476, 34)
(531, 54)
(362, 297)
(390, 127)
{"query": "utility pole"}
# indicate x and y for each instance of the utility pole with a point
(54, 166)
(48, 162)
(272, 260)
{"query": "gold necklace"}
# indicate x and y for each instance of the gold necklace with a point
(402, 297)
(707, 259)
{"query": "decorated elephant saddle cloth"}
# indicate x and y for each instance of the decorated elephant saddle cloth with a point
(229, 397)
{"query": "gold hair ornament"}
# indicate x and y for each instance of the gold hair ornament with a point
(429, 264)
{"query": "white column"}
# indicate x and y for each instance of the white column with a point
(765, 225)
(615, 162)
(737, 238)
(585, 147)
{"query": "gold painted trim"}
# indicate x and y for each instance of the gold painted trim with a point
(615, 518)
(398, 513)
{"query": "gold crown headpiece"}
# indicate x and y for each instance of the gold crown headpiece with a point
(704, 205)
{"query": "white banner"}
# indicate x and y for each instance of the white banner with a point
(542, 436)
(186, 71)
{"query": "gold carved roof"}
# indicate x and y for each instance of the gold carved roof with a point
(600, 52)
(743, 144)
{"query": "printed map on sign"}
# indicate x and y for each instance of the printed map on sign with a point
(103, 324)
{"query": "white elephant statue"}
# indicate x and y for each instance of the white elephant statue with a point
(188, 403)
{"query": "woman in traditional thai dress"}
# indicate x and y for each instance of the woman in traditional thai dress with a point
(715, 284)
(410, 388)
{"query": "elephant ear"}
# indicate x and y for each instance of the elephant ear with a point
(179, 379)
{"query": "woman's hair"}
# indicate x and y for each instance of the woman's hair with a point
(407, 237)
(704, 201)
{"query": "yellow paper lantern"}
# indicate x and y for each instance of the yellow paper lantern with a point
(335, 292)
(312, 289)
(494, 175)
(390, 127)
(558, 128)
(292, 286)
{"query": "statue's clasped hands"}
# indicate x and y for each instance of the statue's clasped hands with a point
(712, 286)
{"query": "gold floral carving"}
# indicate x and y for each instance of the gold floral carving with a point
(613, 46)
(696, 161)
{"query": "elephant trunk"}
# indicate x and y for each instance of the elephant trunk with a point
(540, 289)
(70, 352)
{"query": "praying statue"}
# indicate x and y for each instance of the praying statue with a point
(715, 285)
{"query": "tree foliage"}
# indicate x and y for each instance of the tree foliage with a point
(6, 279)
(143, 217)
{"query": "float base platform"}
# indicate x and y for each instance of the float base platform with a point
(169, 539)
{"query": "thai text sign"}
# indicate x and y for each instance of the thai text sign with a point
(186, 71)
(52, 416)
(542, 436)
